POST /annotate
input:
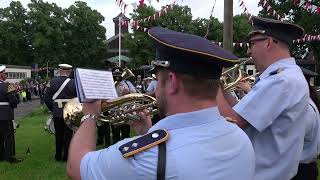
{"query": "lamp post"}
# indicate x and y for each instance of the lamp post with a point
(120, 39)
(47, 69)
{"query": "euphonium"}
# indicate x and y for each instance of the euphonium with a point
(116, 111)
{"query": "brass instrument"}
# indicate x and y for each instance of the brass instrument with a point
(127, 73)
(227, 80)
(116, 111)
(245, 79)
(230, 77)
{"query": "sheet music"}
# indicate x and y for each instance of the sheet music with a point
(94, 84)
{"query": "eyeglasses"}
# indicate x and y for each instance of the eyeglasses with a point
(251, 42)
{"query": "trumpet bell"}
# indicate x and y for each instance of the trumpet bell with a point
(72, 113)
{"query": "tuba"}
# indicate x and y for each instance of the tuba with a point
(127, 73)
(116, 111)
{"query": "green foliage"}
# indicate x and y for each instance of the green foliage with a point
(241, 28)
(84, 35)
(178, 19)
(309, 21)
(46, 32)
(14, 47)
(138, 42)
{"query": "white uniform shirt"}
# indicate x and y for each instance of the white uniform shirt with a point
(202, 145)
(152, 86)
(276, 109)
(124, 84)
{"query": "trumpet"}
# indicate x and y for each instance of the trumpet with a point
(117, 111)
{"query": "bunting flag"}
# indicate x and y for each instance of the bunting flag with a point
(307, 6)
(41, 69)
(266, 6)
(306, 38)
(244, 8)
(124, 6)
(240, 45)
(135, 24)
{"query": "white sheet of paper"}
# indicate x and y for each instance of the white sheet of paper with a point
(95, 84)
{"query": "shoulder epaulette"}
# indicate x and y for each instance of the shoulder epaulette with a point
(143, 143)
(11, 88)
(276, 72)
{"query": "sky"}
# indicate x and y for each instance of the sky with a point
(109, 9)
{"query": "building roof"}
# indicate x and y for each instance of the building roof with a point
(17, 66)
(114, 37)
(122, 16)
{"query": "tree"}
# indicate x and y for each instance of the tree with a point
(139, 44)
(14, 47)
(241, 28)
(84, 36)
(215, 29)
(46, 24)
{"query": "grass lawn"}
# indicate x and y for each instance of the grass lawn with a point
(40, 164)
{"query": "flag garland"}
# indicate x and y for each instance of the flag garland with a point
(307, 6)
(135, 24)
(306, 38)
(266, 6)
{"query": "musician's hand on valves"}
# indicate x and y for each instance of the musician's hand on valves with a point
(92, 108)
(144, 124)
(244, 86)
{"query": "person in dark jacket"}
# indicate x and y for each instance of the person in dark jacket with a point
(58, 92)
(8, 101)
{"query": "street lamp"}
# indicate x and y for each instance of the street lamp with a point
(48, 69)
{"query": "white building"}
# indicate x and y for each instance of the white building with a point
(17, 73)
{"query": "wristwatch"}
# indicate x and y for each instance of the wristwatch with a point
(89, 116)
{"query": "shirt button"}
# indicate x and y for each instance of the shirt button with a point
(155, 135)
